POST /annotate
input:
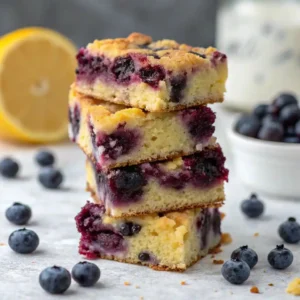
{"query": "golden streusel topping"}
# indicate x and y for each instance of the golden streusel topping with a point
(168, 53)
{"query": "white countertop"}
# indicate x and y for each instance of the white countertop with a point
(53, 220)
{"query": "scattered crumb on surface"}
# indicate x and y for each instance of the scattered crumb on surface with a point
(127, 283)
(215, 251)
(215, 291)
(137, 286)
(212, 256)
(223, 215)
(294, 287)
(254, 290)
(270, 284)
(265, 271)
(218, 261)
(183, 283)
(141, 298)
(226, 238)
(2, 244)
(256, 234)
(231, 292)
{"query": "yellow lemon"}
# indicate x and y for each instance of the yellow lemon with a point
(36, 69)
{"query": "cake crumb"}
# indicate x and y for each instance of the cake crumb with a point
(223, 215)
(254, 290)
(226, 238)
(2, 244)
(212, 256)
(141, 298)
(256, 234)
(270, 284)
(183, 283)
(215, 250)
(218, 261)
(294, 287)
(137, 286)
(127, 283)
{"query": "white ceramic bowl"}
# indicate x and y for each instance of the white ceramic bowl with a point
(269, 167)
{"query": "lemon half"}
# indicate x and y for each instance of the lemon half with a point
(36, 69)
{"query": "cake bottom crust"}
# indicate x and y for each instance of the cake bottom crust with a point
(202, 101)
(216, 204)
(133, 162)
(160, 267)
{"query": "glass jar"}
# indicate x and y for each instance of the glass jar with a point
(262, 41)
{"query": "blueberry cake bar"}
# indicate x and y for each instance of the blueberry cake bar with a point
(186, 182)
(114, 135)
(171, 241)
(155, 76)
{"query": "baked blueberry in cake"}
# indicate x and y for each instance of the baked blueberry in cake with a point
(171, 241)
(114, 135)
(185, 182)
(152, 75)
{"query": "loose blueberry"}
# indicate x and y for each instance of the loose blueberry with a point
(9, 168)
(129, 228)
(86, 273)
(45, 158)
(247, 255)
(280, 257)
(260, 111)
(284, 99)
(18, 213)
(55, 280)
(252, 207)
(271, 131)
(235, 271)
(248, 126)
(50, 178)
(289, 115)
(143, 256)
(289, 231)
(23, 241)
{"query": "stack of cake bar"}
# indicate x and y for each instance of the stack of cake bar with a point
(155, 172)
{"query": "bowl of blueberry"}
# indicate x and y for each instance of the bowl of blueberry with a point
(266, 147)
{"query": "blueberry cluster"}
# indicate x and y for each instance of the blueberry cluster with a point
(56, 280)
(48, 176)
(277, 122)
(243, 259)
(237, 269)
